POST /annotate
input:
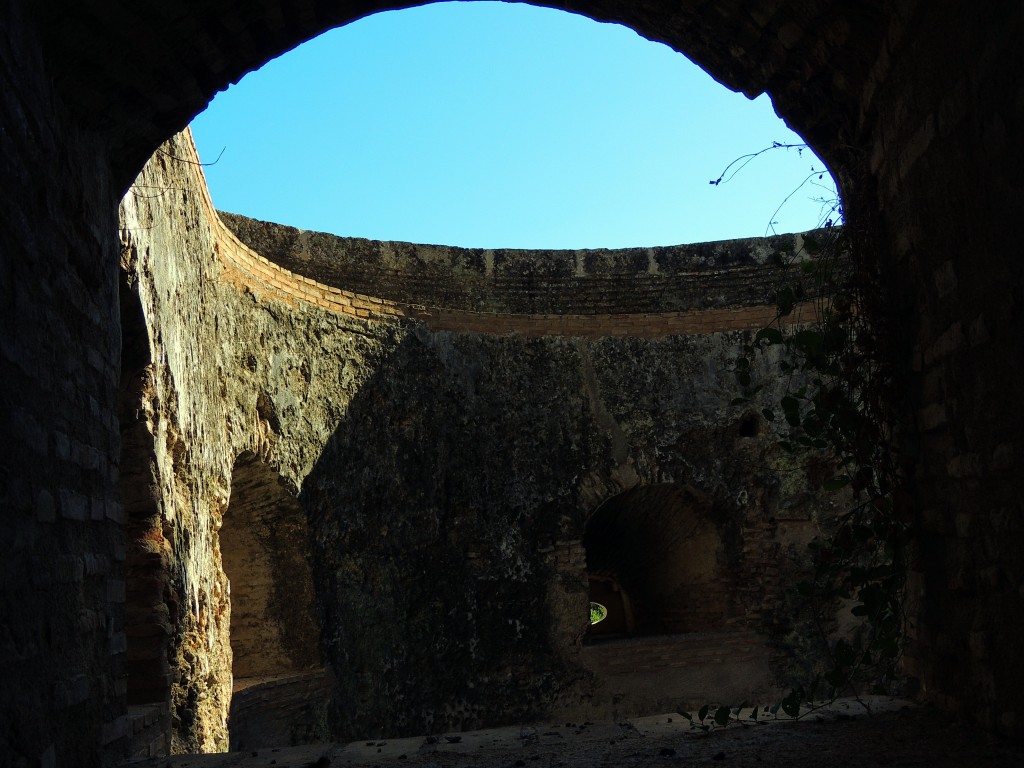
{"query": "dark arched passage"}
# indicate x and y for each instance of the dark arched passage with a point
(653, 558)
(280, 689)
(264, 544)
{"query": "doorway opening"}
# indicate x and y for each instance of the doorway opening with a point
(275, 627)
(653, 560)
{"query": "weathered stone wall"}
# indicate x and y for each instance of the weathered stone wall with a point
(61, 588)
(441, 471)
(743, 273)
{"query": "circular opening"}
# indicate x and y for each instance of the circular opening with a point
(501, 125)
(598, 613)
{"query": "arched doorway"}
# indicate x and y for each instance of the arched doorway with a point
(653, 560)
(657, 561)
(275, 628)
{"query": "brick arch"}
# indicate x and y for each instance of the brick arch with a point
(653, 558)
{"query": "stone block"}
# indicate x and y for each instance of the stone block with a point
(113, 730)
(69, 570)
(46, 511)
(73, 505)
(115, 591)
(118, 643)
(966, 465)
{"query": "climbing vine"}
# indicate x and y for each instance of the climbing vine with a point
(831, 341)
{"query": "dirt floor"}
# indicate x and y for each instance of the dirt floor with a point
(887, 732)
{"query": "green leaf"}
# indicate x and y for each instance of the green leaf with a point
(791, 704)
(703, 713)
(771, 335)
(791, 410)
(809, 342)
(769, 415)
(835, 483)
(722, 715)
(844, 654)
(836, 678)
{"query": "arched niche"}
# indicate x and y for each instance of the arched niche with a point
(653, 559)
(265, 548)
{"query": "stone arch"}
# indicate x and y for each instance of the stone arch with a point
(653, 558)
(264, 545)
(280, 690)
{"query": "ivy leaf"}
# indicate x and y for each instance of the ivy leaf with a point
(844, 654)
(771, 335)
(791, 410)
(722, 716)
(835, 483)
(791, 704)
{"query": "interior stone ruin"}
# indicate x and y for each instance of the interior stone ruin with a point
(265, 486)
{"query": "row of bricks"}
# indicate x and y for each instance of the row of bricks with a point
(287, 285)
(311, 291)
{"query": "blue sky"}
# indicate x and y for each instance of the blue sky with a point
(501, 125)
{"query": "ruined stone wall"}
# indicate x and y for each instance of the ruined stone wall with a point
(440, 471)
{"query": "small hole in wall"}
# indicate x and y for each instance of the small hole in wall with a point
(750, 426)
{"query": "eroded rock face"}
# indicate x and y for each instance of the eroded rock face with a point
(447, 478)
